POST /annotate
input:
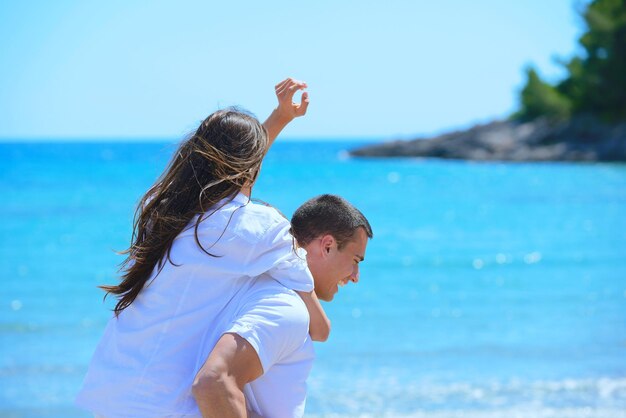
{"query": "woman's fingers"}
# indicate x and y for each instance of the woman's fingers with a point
(291, 91)
(285, 90)
(288, 81)
(304, 104)
(289, 87)
(280, 86)
(282, 83)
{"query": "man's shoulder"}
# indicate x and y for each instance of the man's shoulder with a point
(266, 288)
(273, 319)
(278, 303)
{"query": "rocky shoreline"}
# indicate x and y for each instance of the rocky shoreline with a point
(578, 139)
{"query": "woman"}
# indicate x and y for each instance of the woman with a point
(198, 242)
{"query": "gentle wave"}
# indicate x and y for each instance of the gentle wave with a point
(531, 412)
(603, 397)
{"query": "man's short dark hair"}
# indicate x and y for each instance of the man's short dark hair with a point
(328, 214)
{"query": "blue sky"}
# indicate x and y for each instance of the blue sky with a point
(376, 70)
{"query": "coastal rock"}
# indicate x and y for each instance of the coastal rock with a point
(578, 139)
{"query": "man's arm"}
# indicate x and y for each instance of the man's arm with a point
(270, 325)
(218, 386)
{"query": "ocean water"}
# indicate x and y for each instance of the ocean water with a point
(489, 290)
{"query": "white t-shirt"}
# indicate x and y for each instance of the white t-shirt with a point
(147, 359)
(275, 321)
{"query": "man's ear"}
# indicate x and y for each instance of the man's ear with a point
(327, 242)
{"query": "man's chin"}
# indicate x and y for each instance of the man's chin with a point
(325, 297)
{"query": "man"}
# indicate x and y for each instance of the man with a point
(265, 357)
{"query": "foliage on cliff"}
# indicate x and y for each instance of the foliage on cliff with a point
(596, 80)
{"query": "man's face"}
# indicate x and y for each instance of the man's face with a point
(337, 267)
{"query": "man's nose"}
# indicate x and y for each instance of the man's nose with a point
(354, 278)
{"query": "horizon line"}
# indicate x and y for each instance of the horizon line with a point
(162, 139)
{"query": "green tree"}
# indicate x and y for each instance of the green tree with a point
(596, 80)
(541, 99)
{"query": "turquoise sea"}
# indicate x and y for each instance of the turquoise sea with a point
(489, 290)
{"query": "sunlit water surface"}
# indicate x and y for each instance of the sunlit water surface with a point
(489, 290)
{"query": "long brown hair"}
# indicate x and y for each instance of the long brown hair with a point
(221, 157)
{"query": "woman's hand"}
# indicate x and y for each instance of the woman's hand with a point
(319, 324)
(288, 110)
